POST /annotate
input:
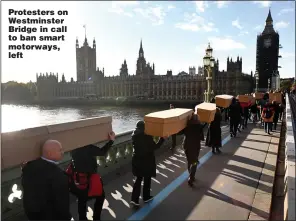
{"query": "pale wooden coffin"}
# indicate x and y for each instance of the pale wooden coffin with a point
(168, 122)
(244, 98)
(223, 100)
(258, 96)
(25, 145)
(253, 100)
(206, 112)
(275, 97)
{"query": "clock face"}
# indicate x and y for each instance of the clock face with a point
(267, 43)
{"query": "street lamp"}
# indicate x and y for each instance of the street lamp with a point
(268, 83)
(257, 79)
(209, 63)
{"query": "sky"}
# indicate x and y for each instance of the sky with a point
(174, 35)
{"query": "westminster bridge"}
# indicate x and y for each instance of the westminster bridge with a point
(253, 178)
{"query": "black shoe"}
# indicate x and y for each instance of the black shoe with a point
(218, 150)
(135, 203)
(213, 151)
(231, 134)
(148, 199)
(190, 182)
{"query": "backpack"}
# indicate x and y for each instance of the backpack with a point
(78, 182)
(84, 184)
(268, 113)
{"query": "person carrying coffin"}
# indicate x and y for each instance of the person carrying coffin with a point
(45, 186)
(214, 131)
(143, 162)
(214, 137)
(267, 116)
(276, 111)
(84, 181)
(174, 136)
(235, 116)
(193, 135)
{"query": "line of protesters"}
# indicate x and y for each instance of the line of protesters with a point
(46, 186)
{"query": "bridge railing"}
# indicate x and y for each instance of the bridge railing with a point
(289, 204)
(117, 157)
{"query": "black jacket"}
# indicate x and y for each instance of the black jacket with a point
(84, 158)
(214, 137)
(143, 160)
(45, 191)
(193, 134)
(235, 111)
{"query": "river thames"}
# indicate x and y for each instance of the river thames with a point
(18, 117)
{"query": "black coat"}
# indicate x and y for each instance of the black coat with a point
(214, 137)
(235, 111)
(85, 158)
(45, 191)
(143, 160)
(193, 134)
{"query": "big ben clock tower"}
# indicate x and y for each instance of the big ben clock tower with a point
(267, 54)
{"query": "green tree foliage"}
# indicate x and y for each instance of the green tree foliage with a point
(286, 85)
(14, 91)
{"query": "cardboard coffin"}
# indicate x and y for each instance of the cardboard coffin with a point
(168, 122)
(258, 96)
(25, 145)
(206, 112)
(275, 97)
(244, 98)
(223, 100)
(253, 101)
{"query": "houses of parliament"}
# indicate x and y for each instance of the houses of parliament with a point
(145, 84)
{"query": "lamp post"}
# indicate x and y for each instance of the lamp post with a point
(257, 79)
(268, 83)
(209, 63)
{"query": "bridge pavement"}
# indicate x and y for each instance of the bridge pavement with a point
(225, 187)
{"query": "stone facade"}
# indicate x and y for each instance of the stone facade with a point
(144, 84)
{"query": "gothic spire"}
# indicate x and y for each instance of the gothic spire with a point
(269, 18)
(141, 48)
(268, 26)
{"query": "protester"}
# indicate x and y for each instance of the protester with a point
(246, 114)
(267, 116)
(276, 111)
(254, 111)
(45, 186)
(174, 136)
(262, 104)
(281, 110)
(214, 137)
(143, 162)
(193, 134)
(235, 116)
(88, 183)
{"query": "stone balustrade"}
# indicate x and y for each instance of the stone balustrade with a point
(289, 203)
(118, 156)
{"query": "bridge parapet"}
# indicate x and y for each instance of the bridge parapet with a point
(117, 157)
(289, 205)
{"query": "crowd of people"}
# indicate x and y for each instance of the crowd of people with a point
(46, 186)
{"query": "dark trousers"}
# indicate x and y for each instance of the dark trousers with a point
(97, 210)
(192, 170)
(280, 115)
(137, 188)
(275, 121)
(233, 125)
(267, 126)
(245, 121)
(174, 137)
(192, 164)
